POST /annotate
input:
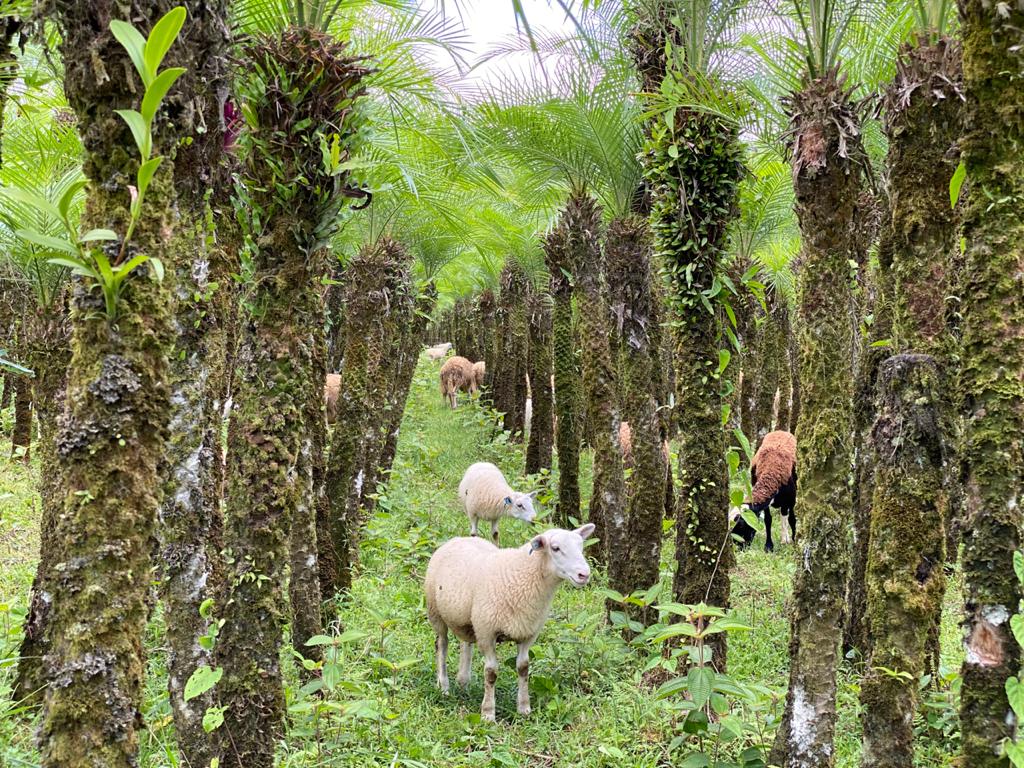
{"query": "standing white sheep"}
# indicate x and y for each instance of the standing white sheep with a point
(486, 595)
(486, 495)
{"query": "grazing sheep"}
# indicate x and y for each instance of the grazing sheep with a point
(456, 373)
(332, 391)
(479, 371)
(486, 495)
(438, 350)
(486, 595)
(773, 477)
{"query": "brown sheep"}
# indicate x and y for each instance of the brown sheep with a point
(773, 477)
(457, 373)
(479, 371)
(332, 390)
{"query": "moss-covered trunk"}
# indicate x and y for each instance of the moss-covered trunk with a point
(628, 260)
(567, 394)
(111, 437)
(511, 342)
(993, 361)
(366, 286)
(21, 437)
(693, 165)
(540, 364)
(48, 354)
(828, 181)
(608, 497)
(206, 249)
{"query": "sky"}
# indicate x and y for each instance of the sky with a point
(489, 23)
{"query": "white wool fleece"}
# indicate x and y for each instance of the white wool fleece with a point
(486, 495)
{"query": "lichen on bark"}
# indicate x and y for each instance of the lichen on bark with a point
(540, 366)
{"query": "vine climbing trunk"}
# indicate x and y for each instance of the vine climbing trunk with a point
(992, 149)
(628, 260)
(689, 241)
(826, 156)
(111, 437)
(567, 439)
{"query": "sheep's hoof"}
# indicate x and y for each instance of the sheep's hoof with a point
(443, 685)
(487, 716)
(463, 682)
(525, 710)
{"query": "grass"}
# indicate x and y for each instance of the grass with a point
(592, 706)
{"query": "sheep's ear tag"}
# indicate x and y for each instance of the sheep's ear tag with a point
(536, 544)
(508, 501)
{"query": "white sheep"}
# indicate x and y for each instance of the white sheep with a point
(486, 495)
(438, 351)
(486, 595)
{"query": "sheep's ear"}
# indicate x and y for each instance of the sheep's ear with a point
(508, 501)
(584, 531)
(533, 494)
(539, 542)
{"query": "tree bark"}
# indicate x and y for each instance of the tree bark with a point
(828, 182)
(607, 500)
(993, 369)
(567, 439)
(538, 450)
(21, 438)
(509, 382)
(905, 560)
(628, 257)
(110, 440)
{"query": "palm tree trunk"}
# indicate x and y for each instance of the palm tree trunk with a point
(607, 500)
(110, 443)
(567, 440)
(511, 340)
(628, 258)
(191, 530)
(21, 438)
(993, 358)
(828, 182)
(689, 222)
(906, 551)
(538, 450)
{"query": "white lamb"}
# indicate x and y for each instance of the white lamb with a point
(486, 495)
(438, 351)
(486, 595)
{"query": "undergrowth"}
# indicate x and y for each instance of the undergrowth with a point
(596, 696)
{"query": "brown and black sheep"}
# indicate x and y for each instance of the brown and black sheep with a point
(457, 373)
(773, 477)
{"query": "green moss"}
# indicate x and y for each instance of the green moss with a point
(540, 367)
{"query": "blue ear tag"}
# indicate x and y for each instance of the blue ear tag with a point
(535, 545)
(508, 501)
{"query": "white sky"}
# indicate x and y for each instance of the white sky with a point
(490, 23)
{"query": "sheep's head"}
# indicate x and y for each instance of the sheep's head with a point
(564, 550)
(520, 505)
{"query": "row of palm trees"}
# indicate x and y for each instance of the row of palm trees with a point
(459, 189)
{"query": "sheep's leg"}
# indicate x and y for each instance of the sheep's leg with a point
(441, 647)
(465, 664)
(490, 677)
(472, 526)
(769, 545)
(494, 531)
(523, 668)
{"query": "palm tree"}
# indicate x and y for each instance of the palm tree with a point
(541, 369)
(300, 82)
(906, 545)
(111, 441)
(827, 159)
(693, 165)
(993, 357)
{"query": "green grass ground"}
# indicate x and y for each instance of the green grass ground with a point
(592, 704)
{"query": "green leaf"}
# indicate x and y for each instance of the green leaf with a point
(46, 241)
(157, 90)
(64, 205)
(675, 630)
(132, 41)
(696, 760)
(1017, 626)
(213, 718)
(123, 270)
(724, 356)
(202, 680)
(1015, 695)
(1018, 565)
(140, 130)
(76, 266)
(32, 200)
(103, 263)
(320, 640)
(700, 682)
(146, 171)
(98, 234)
(956, 183)
(162, 36)
(1015, 751)
(158, 269)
